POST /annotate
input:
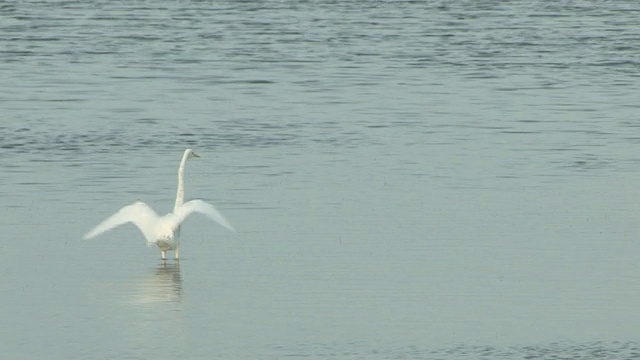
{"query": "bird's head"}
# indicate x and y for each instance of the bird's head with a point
(191, 154)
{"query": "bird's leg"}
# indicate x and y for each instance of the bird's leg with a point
(164, 255)
(177, 253)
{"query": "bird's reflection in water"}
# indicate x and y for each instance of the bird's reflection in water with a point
(163, 286)
(154, 310)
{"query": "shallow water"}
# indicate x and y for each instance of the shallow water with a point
(452, 180)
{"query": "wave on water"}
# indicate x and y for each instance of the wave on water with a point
(601, 350)
(52, 143)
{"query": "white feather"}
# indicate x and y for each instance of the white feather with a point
(204, 208)
(138, 213)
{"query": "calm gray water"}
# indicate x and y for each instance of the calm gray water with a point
(413, 180)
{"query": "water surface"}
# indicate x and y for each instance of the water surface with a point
(450, 180)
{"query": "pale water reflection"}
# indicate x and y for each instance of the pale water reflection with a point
(161, 287)
(149, 312)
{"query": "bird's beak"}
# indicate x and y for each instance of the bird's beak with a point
(195, 155)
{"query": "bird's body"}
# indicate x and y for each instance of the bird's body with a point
(163, 231)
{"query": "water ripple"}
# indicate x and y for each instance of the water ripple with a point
(562, 350)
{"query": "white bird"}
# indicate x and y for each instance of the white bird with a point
(162, 230)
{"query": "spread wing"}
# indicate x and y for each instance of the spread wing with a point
(138, 213)
(202, 207)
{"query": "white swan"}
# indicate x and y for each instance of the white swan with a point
(162, 230)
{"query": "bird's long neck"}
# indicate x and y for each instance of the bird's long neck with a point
(180, 193)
